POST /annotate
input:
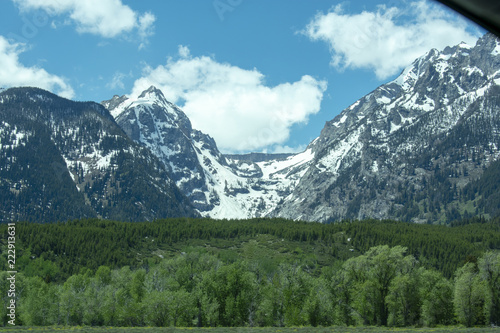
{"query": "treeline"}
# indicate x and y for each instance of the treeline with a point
(59, 250)
(385, 286)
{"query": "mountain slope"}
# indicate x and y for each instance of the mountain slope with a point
(407, 149)
(218, 186)
(63, 160)
(422, 148)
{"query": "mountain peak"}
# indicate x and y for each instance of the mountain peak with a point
(118, 104)
(443, 60)
(152, 93)
(489, 43)
(402, 135)
(453, 50)
(153, 89)
(29, 91)
(114, 102)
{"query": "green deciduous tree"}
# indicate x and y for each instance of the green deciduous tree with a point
(343, 293)
(40, 307)
(284, 298)
(319, 307)
(95, 296)
(436, 293)
(156, 308)
(73, 299)
(404, 299)
(470, 296)
(373, 274)
(489, 270)
(236, 293)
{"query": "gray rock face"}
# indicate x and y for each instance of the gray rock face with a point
(381, 155)
(220, 187)
(404, 151)
(166, 130)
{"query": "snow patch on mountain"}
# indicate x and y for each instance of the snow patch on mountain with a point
(368, 145)
(16, 136)
(331, 163)
(246, 189)
(217, 186)
(496, 50)
(407, 78)
(365, 142)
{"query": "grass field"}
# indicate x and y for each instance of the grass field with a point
(246, 329)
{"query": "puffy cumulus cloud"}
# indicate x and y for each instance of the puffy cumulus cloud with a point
(233, 104)
(107, 18)
(14, 74)
(389, 39)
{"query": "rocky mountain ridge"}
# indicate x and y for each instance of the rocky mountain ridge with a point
(395, 141)
(218, 186)
(422, 148)
(61, 160)
(399, 151)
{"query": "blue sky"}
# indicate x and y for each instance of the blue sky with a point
(257, 75)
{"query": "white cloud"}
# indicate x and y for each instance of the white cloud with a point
(14, 74)
(107, 18)
(233, 104)
(279, 149)
(389, 39)
(117, 81)
(184, 51)
(146, 27)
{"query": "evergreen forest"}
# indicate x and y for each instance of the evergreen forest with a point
(255, 273)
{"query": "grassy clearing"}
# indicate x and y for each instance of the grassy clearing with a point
(271, 249)
(246, 329)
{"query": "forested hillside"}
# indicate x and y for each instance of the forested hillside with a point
(260, 272)
(62, 160)
(62, 249)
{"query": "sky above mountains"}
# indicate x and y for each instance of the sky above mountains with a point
(256, 75)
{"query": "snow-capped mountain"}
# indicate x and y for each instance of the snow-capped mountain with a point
(61, 160)
(407, 149)
(404, 151)
(218, 186)
(423, 148)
